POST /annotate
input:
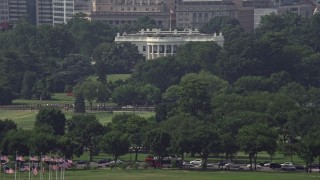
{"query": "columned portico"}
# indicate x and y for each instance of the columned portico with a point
(156, 43)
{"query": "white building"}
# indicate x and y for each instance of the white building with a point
(156, 43)
(63, 11)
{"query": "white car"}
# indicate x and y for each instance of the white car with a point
(257, 165)
(231, 165)
(196, 162)
(287, 164)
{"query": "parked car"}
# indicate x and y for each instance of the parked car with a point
(287, 167)
(287, 164)
(103, 162)
(196, 162)
(263, 163)
(299, 167)
(81, 164)
(258, 166)
(186, 164)
(222, 163)
(210, 164)
(112, 163)
(231, 165)
(274, 165)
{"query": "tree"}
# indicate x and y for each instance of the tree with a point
(136, 127)
(6, 96)
(205, 140)
(308, 149)
(92, 90)
(133, 126)
(29, 80)
(163, 73)
(158, 141)
(199, 55)
(16, 141)
(115, 143)
(255, 138)
(51, 117)
(196, 93)
(79, 104)
(42, 143)
(86, 129)
(5, 126)
(115, 58)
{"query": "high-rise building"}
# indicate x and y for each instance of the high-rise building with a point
(119, 12)
(63, 11)
(195, 13)
(44, 12)
(17, 10)
(4, 11)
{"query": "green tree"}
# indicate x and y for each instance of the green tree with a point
(255, 138)
(79, 104)
(29, 80)
(53, 118)
(6, 96)
(90, 91)
(115, 143)
(5, 126)
(158, 141)
(42, 143)
(86, 130)
(196, 93)
(16, 141)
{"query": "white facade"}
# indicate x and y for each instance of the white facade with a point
(63, 11)
(156, 43)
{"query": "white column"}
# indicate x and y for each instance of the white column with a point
(148, 52)
(152, 52)
(156, 1)
(125, 2)
(165, 50)
(148, 2)
(172, 50)
(133, 2)
(141, 2)
(158, 50)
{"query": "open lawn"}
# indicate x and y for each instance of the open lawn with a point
(113, 77)
(118, 174)
(25, 118)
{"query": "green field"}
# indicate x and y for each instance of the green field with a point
(113, 77)
(25, 118)
(118, 174)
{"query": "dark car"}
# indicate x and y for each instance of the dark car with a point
(262, 163)
(221, 164)
(103, 162)
(275, 165)
(299, 167)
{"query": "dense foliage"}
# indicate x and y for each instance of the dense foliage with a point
(260, 92)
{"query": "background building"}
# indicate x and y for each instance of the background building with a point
(4, 10)
(44, 12)
(63, 11)
(128, 11)
(17, 10)
(195, 13)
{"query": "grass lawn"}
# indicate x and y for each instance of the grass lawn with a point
(25, 118)
(118, 174)
(113, 77)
